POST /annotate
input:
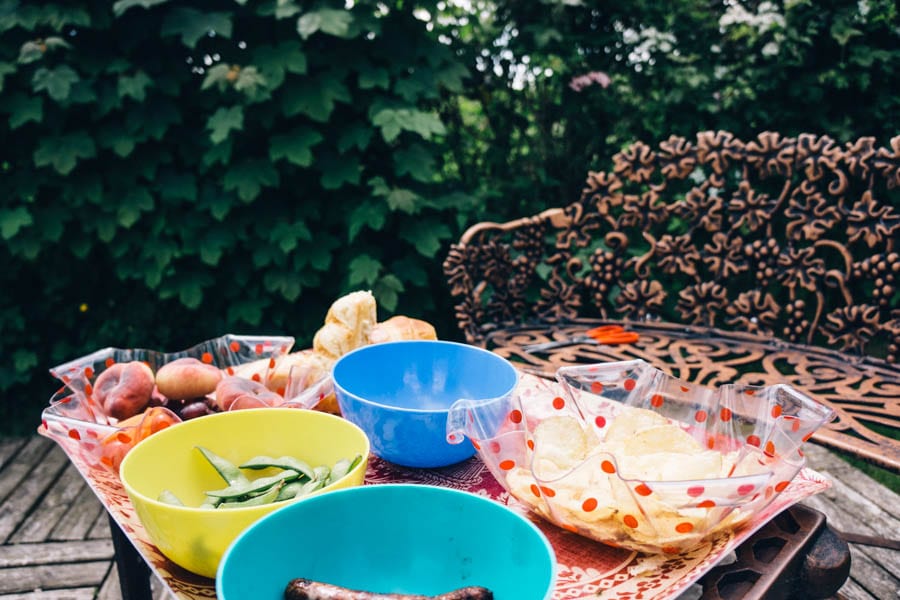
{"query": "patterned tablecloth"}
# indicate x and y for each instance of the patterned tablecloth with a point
(586, 569)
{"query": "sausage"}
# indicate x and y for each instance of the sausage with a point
(305, 589)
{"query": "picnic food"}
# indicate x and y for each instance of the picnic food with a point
(293, 478)
(347, 325)
(401, 327)
(305, 589)
(234, 393)
(593, 481)
(186, 378)
(124, 389)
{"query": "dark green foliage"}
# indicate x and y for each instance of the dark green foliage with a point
(172, 171)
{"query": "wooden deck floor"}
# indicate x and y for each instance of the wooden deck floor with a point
(55, 541)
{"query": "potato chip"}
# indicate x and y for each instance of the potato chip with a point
(630, 421)
(670, 466)
(661, 438)
(560, 443)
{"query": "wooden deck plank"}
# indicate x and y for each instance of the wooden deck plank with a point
(100, 528)
(56, 504)
(21, 461)
(72, 594)
(9, 447)
(79, 524)
(29, 489)
(64, 576)
(51, 553)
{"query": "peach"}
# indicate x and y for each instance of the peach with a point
(187, 378)
(124, 389)
(234, 393)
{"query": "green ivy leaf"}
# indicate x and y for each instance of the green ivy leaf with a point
(452, 77)
(57, 81)
(217, 74)
(338, 170)
(419, 84)
(220, 153)
(5, 69)
(215, 242)
(274, 61)
(24, 360)
(279, 281)
(177, 186)
(285, 9)
(415, 160)
(249, 81)
(427, 240)
(249, 177)
(121, 6)
(191, 289)
(116, 139)
(223, 121)
(295, 146)
(191, 25)
(105, 226)
(357, 135)
(134, 86)
(62, 152)
(842, 31)
(288, 234)
(369, 214)
(388, 290)
(393, 121)
(376, 77)
(379, 186)
(34, 50)
(11, 221)
(330, 21)
(315, 98)
(131, 206)
(30, 52)
(363, 270)
(24, 109)
(403, 200)
(248, 311)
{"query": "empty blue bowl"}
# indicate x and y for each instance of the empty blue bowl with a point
(391, 538)
(400, 393)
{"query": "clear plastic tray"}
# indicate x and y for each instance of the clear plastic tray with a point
(73, 414)
(635, 483)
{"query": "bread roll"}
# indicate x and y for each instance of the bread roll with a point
(347, 325)
(401, 327)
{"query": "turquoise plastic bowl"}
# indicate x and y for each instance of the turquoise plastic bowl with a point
(391, 538)
(400, 394)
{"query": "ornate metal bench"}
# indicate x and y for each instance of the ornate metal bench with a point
(774, 259)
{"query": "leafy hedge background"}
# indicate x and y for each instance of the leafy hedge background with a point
(174, 170)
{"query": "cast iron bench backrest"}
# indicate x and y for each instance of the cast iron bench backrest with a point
(790, 238)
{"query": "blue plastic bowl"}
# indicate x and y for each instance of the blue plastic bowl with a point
(391, 538)
(400, 393)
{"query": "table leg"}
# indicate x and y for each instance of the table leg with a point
(134, 574)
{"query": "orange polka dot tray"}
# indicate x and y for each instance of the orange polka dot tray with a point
(627, 455)
(112, 398)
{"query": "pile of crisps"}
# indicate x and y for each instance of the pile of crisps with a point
(627, 487)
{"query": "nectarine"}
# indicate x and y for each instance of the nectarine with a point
(187, 378)
(234, 393)
(124, 389)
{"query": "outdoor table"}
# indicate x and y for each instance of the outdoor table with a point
(779, 552)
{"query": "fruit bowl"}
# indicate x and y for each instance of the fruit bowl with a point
(630, 456)
(83, 424)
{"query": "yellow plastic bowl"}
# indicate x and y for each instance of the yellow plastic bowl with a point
(196, 538)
